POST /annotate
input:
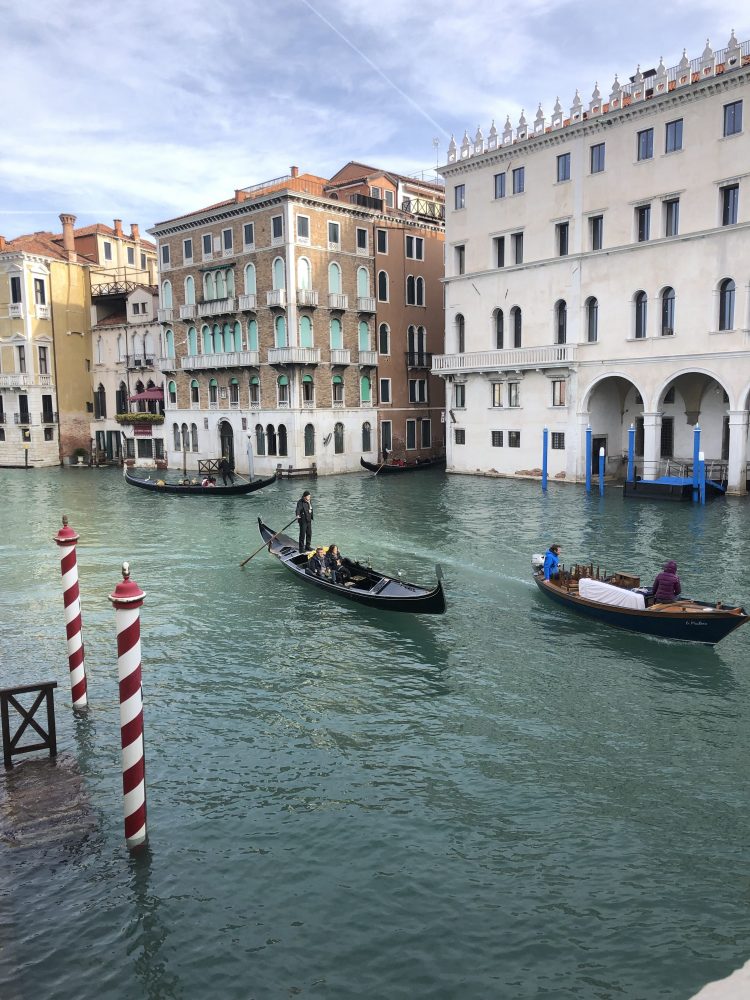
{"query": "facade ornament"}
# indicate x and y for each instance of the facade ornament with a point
(557, 118)
(452, 149)
(539, 120)
(478, 141)
(492, 136)
(733, 52)
(507, 131)
(708, 60)
(660, 80)
(683, 70)
(595, 104)
(615, 94)
(575, 109)
(465, 145)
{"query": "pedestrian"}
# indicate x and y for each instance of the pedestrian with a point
(667, 584)
(226, 471)
(304, 514)
(552, 562)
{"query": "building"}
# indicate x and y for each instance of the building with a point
(597, 274)
(273, 302)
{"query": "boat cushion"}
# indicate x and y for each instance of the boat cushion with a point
(605, 593)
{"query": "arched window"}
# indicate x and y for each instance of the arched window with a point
(230, 282)
(366, 436)
(411, 295)
(137, 345)
(177, 438)
(279, 273)
(221, 285)
(195, 396)
(667, 312)
(98, 350)
(166, 295)
(561, 322)
(420, 291)
(364, 389)
(516, 321)
(384, 339)
(282, 439)
(252, 335)
(363, 282)
(334, 278)
(189, 290)
(185, 438)
(148, 345)
(592, 320)
(280, 328)
(460, 334)
(100, 402)
(192, 339)
(338, 439)
(213, 393)
(172, 393)
(337, 390)
(254, 391)
(207, 341)
(337, 337)
(250, 279)
(641, 315)
(169, 339)
(260, 440)
(234, 393)
(364, 336)
(283, 391)
(305, 332)
(498, 324)
(308, 390)
(209, 285)
(383, 286)
(121, 399)
(120, 355)
(726, 304)
(218, 339)
(309, 440)
(237, 336)
(304, 273)
(194, 436)
(271, 439)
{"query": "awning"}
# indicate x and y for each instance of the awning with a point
(148, 395)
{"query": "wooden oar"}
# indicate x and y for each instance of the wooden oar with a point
(378, 470)
(266, 544)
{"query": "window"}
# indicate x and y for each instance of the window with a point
(187, 251)
(459, 195)
(362, 241)
(389, 198)
(597, 158)
(376, 192)
(384, 339)
(643, 222)
(730, 196)
(165, 256)
(561, 322)
(248, 234)
(496, 438)
(386, 435)
(131, 256)
(208, 246)
(420, 291)
(498, 251)
(558, 441)
(460, 255)
(366, 436)
(44, 361)
(563, 167)
(382, 286)
(417, 390)
(519, 175)
(496, 390)
(365, 390)
(645, 144)
(334, 234)
(415, 247)
(15, 289)
(514, 439)
(171, 393)
(558, 392)
(500, 185)
(39, 292)
(672, 217)
(460, 334)
(305, 332)
(278, 271)
(107, 250)
(562, 231)
(459, 435)
(382, 241)
(426, 435)
(21, 356)
(282, 386)
(303, 228)
(309, 440)
(143, 261)
(499, 330)
(667, 312)
(260, 440)
(673, 136)
(667, 437)
(641, 315)
(334, 278)
(411, 435)
(733, 118)
(254, 387)
(277, 227)
(459, 396)
(726, 304)
(411, 295)
(280, 331)
(514, 395)
(596, 228)
(336, 335)
(592, 320)
(517, 241)
(145, 447)
(515, 319)
(385, 390)
(338, 439)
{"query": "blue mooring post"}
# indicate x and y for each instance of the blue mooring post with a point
(696, 460)
(588, 459)
(631, 453)
(702, 476)
(601, 472)
(545, 437)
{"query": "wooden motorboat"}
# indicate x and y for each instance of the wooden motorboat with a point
(619, 600)
(193, 487)
(388, 468)
(365, 585)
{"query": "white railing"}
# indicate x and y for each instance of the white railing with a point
(165, 315)
(167, 364)
(17, 381)
(248, 302)
(294, 356)
(276, 298)
(338, 404)
(187, 311)
(340, 356)
(42, 312)
(368, 358)
(235, 359)
(365, 304)
(555, 355)
(216, 307)
(338, 301)
(213, 404)
(283, 404)
(15, 310)
(308, 404)
(307, 296)
(44, 380)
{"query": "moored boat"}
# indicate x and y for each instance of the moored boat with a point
(190, 487)
(365, 585)
(619, 600)
(389, 468)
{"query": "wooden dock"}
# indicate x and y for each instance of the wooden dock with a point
(291, 473)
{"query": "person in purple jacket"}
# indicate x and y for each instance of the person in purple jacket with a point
(667, 583)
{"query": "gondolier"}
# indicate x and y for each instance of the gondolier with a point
(304, 514)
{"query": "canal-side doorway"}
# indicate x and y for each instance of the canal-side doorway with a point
(226, 436)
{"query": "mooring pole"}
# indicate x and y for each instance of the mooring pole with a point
(545, 442)
(250, 463)
(601, 472)
(631, 453)
(127, 599)
(66, 539)
(588, 459)
(696, 460)
(702, 476)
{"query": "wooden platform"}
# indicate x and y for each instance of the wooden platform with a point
(291, 473)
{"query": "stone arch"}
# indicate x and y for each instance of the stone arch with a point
(658, 396)
(586, 398)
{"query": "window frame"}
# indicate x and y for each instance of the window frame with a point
(563, 168)
(248, 244)
(384, 390)
(596, 232)
(597, 158)
(519, 180)
(671, 216)
(673, 136)
(729, 116)
(187, 245)
(459, 197)
(277, 223)
(514, 439)
(333, 227)
(303, 238)
(645, 145)
(499, 185)
(381, 237)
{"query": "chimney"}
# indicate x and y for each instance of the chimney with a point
(295, 171)
(69, 240)
(118, 227)
(2, 243)
(134, 232)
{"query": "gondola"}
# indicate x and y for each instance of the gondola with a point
(366, 586)
(195, 489)
(388, 469)
(619, 600)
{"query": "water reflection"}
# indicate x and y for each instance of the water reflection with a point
(147, 932)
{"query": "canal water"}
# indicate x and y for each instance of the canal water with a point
(502, 802)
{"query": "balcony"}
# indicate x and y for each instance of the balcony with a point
(15, 310)
(307, 297)
(134, 363)
(42, 311)
(418, 359)
(338, 301)
(248, 303)
(22, 418)
(48, 417)
(276, 298)
(368, 359)
(235, 359)
(188, 311)
(167, 364)
(217, 307)
(365, 304)
(294, 356)
(340, 357)
(308, 404)
(423, 208)
(514, 359)
(164, 315)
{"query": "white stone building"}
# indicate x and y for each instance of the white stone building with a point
(598, 273)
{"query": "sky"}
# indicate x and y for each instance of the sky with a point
(146, 110)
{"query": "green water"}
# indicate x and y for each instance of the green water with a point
(502, 802)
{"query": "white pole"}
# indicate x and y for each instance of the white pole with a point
(250, 465)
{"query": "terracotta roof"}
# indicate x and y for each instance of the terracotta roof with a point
(42, 243)
(118, 319)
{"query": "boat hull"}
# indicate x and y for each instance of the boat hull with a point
(391, 470)
(236, 489)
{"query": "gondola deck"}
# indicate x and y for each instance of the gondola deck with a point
(387, 470)
(195, 489)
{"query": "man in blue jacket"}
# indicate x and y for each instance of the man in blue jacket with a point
(552, 561)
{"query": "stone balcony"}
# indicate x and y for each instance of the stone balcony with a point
(217, 307)
(42, 311)
(338, 301)
(340, 356)
(276, 298)
(307, 297)
(368, 359)
(188, 311)
(513, 359)
(234, 359)
(165, 315)
(366, 304)
(15, 310)
(248, 302)
(294, 356)
(167, 364)
(24, 380)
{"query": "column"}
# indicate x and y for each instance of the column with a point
(737, 471)
(651, 444)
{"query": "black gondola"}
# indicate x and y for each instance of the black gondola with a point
(388, 469)
(365, 586)
(195, 489)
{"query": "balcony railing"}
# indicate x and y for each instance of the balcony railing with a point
(308, 404)
(165, 315)
(427, 209)
(42, 311)
(248, 302)
(167, 364)
(217, 307)
(21, 380)
(235, 359)
(48, 417)
(338, 404)
(554, 356)
(338, 301)
(15, 310)
(188, 311)
(368, 358)
(139, 362)
(294, 356)
(365, 304)
(22, 418)
(418, 359)
(307, 297)
(340, 356)
(276, 298)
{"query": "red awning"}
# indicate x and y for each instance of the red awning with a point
(147, 396)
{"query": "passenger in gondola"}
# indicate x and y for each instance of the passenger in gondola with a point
(335, 563)
(318, 565)
(667, 586)
(552, 562)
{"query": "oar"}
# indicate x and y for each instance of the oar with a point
(265, 544)
(383, 463)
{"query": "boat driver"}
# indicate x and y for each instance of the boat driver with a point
(552, 562)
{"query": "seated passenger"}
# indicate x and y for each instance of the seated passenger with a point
(667, 583)
(552, 562)
(317, 564)
(335, 564)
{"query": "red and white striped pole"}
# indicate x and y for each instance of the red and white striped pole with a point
(127, 598)
(66, 538)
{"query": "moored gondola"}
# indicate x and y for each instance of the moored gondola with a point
(388, 468)
(194, 488)
(365, 585)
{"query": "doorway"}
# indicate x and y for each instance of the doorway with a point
(226, 435)
(596, 444)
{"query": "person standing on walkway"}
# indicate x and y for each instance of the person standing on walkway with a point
(304, 514)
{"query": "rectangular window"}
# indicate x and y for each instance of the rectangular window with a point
(386, 435)
(497, 439)
(131, 256)
(459, 194)
(411, 435)
(558, 441)
(15, 289)
(227, 239)
(563, 167)
(248, 234)
(303, 228)
(596, 226)
(517, 240)
(389, 199)
(334, 234)
(500, 185)
(143, 262)
(187, 251)
(733, 118)
(107, 250)
(415, 247)
(362, 242)
(645, 145)
(459, 396)
(519, 180)
(597, 158)
(145, 447)
(417, 390)
(376, 192)
(730, 197)
(382, 238)
(39, 292)
(562, 230)
(673, 136)
(426, 435)
(459, 435)
(643, 222)
(165, 255)
(672, 217)
(667, 437)
(460, 252)
(514, 397)
(385, 390)
(277, 227)
(49, 433)
(44, 362)
(208, 246)
(135, 309)
(514, 439)
(497, 393)
(558, 392)
(498, 254)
